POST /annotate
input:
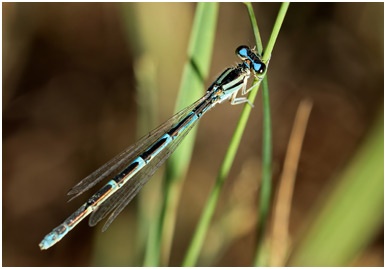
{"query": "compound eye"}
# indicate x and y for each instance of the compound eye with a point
(242, 52)
(259, 68)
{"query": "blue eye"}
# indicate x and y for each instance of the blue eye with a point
(259, 68)
(242, 52)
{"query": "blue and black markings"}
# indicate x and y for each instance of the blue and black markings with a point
(148, 154)
(127, 171)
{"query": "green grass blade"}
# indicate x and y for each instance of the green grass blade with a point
(352, 214)
(266, 178)
(256, 32)
(203, 224)
(275, 31)
(195, 72)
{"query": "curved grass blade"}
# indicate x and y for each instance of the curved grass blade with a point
(195, 72)
(265, 191)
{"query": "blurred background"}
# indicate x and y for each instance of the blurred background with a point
(70, 102)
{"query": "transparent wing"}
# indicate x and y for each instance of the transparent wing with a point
(106, 207)
(123, 159)
(139, 180)
(122, 198)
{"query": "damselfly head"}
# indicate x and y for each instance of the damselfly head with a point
(251, 59)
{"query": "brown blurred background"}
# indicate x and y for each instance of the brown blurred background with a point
(70, 104)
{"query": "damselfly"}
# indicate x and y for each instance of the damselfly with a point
(133, 167)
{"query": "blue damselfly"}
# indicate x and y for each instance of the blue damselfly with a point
(133, 167)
